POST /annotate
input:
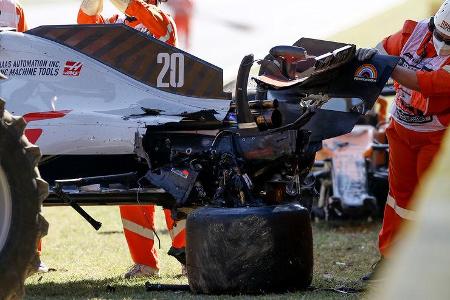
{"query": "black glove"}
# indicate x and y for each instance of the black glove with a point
(363, 54)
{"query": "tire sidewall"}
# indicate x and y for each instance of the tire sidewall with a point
(18, 256)
(249, 250)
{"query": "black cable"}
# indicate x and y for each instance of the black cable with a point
(296, 123)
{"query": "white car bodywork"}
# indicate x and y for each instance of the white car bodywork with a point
(80, 105)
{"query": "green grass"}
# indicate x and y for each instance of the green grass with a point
(87, 262)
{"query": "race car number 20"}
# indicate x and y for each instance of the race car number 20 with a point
(174, 65)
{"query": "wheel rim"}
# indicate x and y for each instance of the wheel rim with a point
(5, 208)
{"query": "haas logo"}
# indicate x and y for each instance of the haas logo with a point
(72, 68)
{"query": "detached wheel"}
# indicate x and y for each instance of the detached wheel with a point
(249, 250)
(22, 192)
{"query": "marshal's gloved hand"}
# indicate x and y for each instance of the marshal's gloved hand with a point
(121, 5)
(92, 7)
(365, 53)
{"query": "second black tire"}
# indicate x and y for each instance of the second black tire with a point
(249, 250)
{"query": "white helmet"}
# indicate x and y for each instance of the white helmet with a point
(441, 36)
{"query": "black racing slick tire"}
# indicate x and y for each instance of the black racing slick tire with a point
(250, 250)
(22, 192)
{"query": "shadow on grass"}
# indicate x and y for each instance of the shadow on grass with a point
(112, 288)
(104, 289)
(115, 288)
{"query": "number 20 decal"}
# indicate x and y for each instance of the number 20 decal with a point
(174, 64)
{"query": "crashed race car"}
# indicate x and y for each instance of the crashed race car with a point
(351, 171)
(154, 126)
